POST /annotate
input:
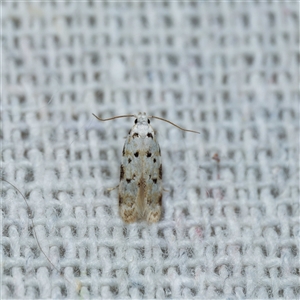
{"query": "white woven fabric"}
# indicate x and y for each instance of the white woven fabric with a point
(230, 226)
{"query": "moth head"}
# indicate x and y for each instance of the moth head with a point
(141, 127)
(142, 118)
(136, 120)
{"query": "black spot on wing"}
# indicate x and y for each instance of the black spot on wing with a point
(123, 151)
(120, 200)
(149, 135)
(154, 160)
(121, 172)
(128, 180)
(136, 154)
(160, 172)
(154, 180)
(135, 135)
(141, 183)
(160, 199)
(148, 154)
(129, 160)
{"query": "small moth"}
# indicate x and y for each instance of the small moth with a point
(140, 187)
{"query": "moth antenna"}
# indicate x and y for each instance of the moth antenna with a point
(174, 124)
(116, 117)
(34, 232)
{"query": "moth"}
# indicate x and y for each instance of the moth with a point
(140, 188)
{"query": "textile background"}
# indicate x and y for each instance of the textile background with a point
(230, 70)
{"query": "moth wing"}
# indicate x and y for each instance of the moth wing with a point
(153, 205)
(153, 190)
(130, 174)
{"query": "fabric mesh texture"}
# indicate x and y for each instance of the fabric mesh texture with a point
(230, 70)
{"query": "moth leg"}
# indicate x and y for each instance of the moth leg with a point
(112, 188)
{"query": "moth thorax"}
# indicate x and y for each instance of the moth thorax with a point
(142, 130)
